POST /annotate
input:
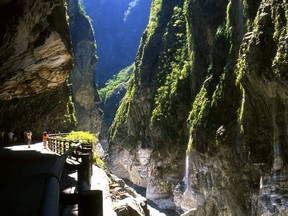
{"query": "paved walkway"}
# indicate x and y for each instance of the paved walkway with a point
(22, 179)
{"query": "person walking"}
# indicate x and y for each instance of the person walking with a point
(10, 136)
(45, 139)
(29, 138)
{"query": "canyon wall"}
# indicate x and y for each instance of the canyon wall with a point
(82, 78)
(203, 123)
(36, 58)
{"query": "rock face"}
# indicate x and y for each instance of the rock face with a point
(263, 64)
(85, 95)
(36, 60)
(111, 96)
(35, 56)
(209, 85)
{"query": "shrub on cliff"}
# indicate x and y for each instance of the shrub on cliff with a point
(112, 84)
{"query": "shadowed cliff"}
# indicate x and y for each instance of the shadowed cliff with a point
(36, 59)
(84, 91)
(35, 55)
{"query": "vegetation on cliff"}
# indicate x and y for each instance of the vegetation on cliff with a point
(113, 84)
(215, 71)
(173, 68)
(118, 26)
(87, 137)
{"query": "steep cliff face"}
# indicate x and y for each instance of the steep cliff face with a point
(111, 96)
(198, 87)
(263, 75)
(35, 56)
(85, 95)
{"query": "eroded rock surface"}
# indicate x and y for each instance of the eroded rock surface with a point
(35, 60)
(82, 78)
(213, 75)
(35, 53)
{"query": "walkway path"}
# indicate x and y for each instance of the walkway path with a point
(23, 172)
(22, 179)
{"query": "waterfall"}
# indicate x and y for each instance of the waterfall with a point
(186, 178)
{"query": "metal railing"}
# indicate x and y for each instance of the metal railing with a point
(90, 202)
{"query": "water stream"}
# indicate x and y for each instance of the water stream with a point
(186, 177)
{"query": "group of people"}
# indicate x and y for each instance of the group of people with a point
(27, 135)
(45, 138)
(11, 137)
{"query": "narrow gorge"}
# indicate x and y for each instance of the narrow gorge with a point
(202, 127)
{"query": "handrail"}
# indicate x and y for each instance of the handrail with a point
(89, 201)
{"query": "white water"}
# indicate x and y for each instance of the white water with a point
(186, 175)
(186, 178)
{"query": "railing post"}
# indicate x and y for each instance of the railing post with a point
(90, 203)
(85, 171)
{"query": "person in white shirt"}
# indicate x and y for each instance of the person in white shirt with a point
(10, 136)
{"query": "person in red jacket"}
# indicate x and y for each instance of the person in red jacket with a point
(45, 139)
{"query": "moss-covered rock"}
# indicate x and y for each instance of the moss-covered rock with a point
(199, 73)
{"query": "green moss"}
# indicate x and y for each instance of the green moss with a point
(154, 16)
(279, 15)
(228, 27)
(242, 64)
(172, 71)
(98, 161)
(112, 84)
(219, 92)
(250, 11)
(198, 113)
(86, 137)
(71, 112)
(66, 12)
(124, 108)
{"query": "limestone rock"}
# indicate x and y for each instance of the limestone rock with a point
(35, 56)
(85, 95)
(127, 166)
(125, 200)
(35, 60)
